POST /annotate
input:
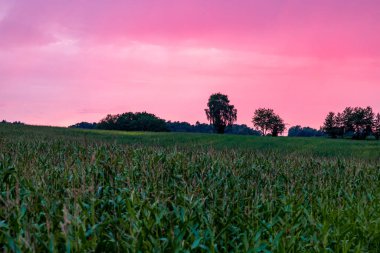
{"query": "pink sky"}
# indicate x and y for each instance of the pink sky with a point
(62, 62)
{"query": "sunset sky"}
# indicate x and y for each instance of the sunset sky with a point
(67, 61)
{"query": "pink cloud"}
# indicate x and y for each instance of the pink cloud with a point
(67, 61)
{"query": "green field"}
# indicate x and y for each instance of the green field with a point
(70, 190)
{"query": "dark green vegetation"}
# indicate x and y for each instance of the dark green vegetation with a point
(149, 122)
(220, 112)
(140, 121)
(268, 122)
(78, 190)
(184, 127)
(299, 131)
(354, 122)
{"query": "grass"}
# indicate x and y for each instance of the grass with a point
(70, 190)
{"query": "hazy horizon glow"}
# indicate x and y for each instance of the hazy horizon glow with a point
(62, 62)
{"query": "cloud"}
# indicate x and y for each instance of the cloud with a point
(166, 57)
(324, 28)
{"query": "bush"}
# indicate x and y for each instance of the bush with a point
(84, 125)
(298, 131)
(140, 121)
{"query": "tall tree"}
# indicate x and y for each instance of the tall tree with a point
(220, 113)
(363, 121)
(267, 121)
(339, 124)
(347, 120)
(329, 126)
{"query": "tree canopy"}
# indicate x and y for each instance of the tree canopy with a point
(268, 122)
(220, 113)
(330, 125)
(354, 122)
(129, 121)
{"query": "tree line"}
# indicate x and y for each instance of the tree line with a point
(14, 122)
(220, 113)
(353, 122)
(198, 127)
(299, 131)
(143, 121)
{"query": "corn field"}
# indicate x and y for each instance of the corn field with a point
(80, 191)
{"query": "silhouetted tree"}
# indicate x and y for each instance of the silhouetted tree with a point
(278, 126)
(220, 113)
(363, 122)
(339, 121)
(266, 121)
(329, 126)
(347, 120)
(108, 123)
(355, 122)
(140, 121)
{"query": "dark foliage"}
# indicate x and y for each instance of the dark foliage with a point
(220, 113)
(268, 122)
(84, 125)
(353, 122)
(206, 128)
(140, 121)
(14, 122)
(242, 130)
(330, 126)
(298, 131)
(177, 126)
